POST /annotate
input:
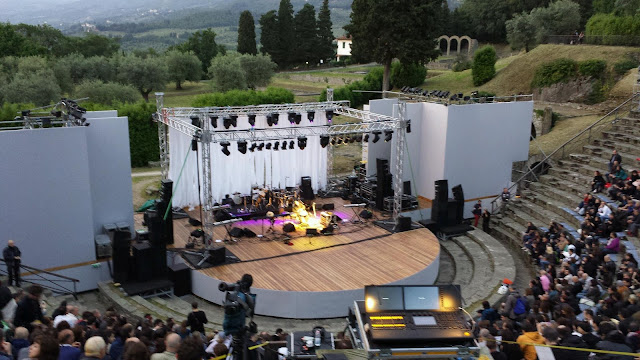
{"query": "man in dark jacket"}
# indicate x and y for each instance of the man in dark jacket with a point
(584, 329)
(196, 319)
(615, 157)
(574, 341)
(29, 309)
(612, 340)
(11, 255)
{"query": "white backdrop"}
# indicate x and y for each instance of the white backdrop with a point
(238, 172)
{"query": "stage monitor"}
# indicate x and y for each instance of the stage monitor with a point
(421, 298)
(383, 298)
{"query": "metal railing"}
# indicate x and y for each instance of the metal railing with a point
(612, 40)
(572, 145)
(48, 280)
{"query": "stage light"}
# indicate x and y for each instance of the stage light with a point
(298, 118)
(339, 141)
(270, 120)
(276, 145)
(291, 117)
(292, 145)
(460, 95)
(242, 146)
(214, 121)
(252, 120)
(376, 136)
(311, 115)
(333, 141)
(329, 114)
(302, 142)
(366, 138)
(195, 121)
(253, 147)
(225, 147)
(261, 146)
(409, 126)
(268, 146)
(351, 140)
(358, 137)
(324, 140)
(226, 122)
(387, 135)
(276, 117)
(234, 120)
(284, 145)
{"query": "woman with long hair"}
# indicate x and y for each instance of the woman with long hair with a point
(44, 347)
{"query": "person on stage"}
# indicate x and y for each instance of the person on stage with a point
(11, 255)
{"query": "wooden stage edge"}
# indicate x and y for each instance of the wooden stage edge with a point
(355, 256)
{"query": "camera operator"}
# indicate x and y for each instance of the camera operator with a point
(239, 304)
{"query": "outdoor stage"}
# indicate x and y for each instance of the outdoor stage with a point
(320, 276)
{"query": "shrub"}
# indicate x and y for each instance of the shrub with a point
(408, 74)
(107, 93)
(371, 82)
(593, 68)
(245, 97)
(143, 133)
(621, 67)
(39, 88)
(553, 72)
(484, 65)
(461, 63)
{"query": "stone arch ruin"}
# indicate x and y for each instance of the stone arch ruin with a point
(449, 44)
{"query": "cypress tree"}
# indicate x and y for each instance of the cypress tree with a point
(283, 53)
(306, 36)
(325, 34)
(246, 34)
(269, 33)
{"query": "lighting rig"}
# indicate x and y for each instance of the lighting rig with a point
(65, 113)
(295, 133)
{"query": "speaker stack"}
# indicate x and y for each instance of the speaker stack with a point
(458, 196)
(439, 211)
(383, 182)
(121, 263)
(306, 189)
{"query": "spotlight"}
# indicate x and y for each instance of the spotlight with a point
(333, 141)
(269, 146)
(225, 147)
(311, 115)
(261, 146)
(366, 138)
(376, 136)
(253, 147)
(234, 120)
(226, 122)
(409, 126)
(324, 140)
(195, 121)
(284, 145)
(302, 142)
(298, 118)
(276, 117)
(387, 135)
(460, 95)
(291, 117)
(292, 145)
(270, 120)
(329, 114)
(276, 145)
(339, 141)
(358, 138)
(252, 120)
(214, 121)
(242, 146)
(351, 139)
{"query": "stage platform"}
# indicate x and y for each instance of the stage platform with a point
(320, 276)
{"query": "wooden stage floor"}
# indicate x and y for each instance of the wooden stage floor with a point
(355, 256)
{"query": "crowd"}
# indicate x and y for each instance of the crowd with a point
(581, 297)
(67, 334)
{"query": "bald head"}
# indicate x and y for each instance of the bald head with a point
(172, 342)
(11, 243)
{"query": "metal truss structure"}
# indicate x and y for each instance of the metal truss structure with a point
(181, 120)
(65, 113)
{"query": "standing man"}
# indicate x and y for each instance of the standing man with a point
(196, 319)
(615, 157)
(477, 212)
(11, 255)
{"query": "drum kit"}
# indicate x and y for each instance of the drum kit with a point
(261, 198)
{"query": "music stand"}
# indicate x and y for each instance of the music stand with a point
(356, 216)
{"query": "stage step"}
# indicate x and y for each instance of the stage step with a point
(463, 262)
(447, 269)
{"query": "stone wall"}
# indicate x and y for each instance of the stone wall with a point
(576, 90)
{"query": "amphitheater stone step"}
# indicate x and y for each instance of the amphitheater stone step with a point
(629, 129)
(447, 269)
(583, 169)
(621, 137)
(624, 149)
(463, 262)
(568, 199)
(545, 216)
(553, 206)
(566, 176)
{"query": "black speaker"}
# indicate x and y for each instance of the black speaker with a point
(458, 195)
(167, 190)
(248, 233)
(288, 227)
(439, 213)
(366, 214)
(236, 232)
(154, 224)
(452, 212)
(143, 260)
(167, 194)
(442, 191)
(406, 188)
(328, 206)
(120, 259)
(404, 223)
(306, 189)
(327, 231)
(180, 276)
(222, 215)
(312, 232)
(218, 255)
(159, 260)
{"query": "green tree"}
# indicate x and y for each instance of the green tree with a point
(247, 34)
(306, 36)
(603, 6)
(183, 66)
(268, 32)
(521, 32)
(95, 45)
(203, 44)
(283, 51)
(484, 65)
(11, 43)
(106, 93)
(386, 29)
(325, 49)
(486, 19)
(560, 17)
(259, 70)
(39, 88)
(226, 73)
(145, 75)
(407, 74)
